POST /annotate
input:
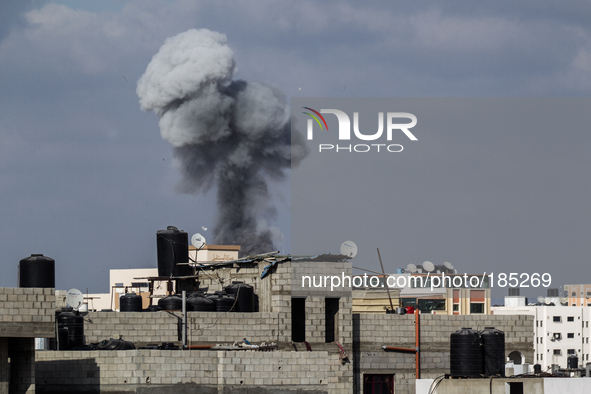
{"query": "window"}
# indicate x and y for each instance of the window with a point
(557, 352)
(541, 340)
(570, 318)
(139, 284)
(476, 307)
(570, 351)
(588, 293)
(570, 335)
(456, 307)
(514, 388)
(541, 323)
(118, 284)
(574, 294)
(541, 356)
(557, 319)
(331, 311)
(298, 319)
(431, 305)
(378, 384)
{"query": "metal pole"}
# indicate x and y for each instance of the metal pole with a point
(417, 344)
(184, 326)
(384, 273)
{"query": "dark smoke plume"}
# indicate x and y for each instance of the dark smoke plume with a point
(229, 133)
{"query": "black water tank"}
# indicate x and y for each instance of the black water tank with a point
(200, 303)
(171, 303)
(466, 355)
(173, 249)
(537, 368)
(223, 303)
(36, 271)
(75, 326)
(493, 346)
(130, 302)
(115, 344)
(573, 362)
(245, 295)
(153, 308)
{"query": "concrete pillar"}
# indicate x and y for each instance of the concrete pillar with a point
(22, 365)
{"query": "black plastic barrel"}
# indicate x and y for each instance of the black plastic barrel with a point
(493, 346)
(75, 326)
(173, 249)
(171, 303)
(153, 308)
(466, 355)
(244, 294)
(573, 362)
(537, 368)
(200, 303)
(223, 302)
(115, 344)
(36, 271)
(130, 302)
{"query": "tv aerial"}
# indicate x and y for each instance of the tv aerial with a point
(74, 298)
(349, 249)
(198, 241)
(428, 266)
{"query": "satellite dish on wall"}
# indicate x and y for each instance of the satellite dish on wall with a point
(198, 240)
(349, 249)
(411, 268)
(428, 266)
(74, 298)
(541, 300)
(564, 300)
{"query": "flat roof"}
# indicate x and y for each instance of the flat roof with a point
(216, 247)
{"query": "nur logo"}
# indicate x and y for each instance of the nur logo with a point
(392, 124)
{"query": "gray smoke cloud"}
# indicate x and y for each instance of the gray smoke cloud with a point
(227, 133)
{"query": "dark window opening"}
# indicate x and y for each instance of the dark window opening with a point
(331, 310)
(298, 319)
(570, 318)
(378, 384)
(515, 388)
(557, 319)
(570, 335)
(476, 308)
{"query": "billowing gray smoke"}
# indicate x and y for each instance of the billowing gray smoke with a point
(229, 133)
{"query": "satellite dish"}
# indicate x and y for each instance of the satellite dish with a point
(438, 272)
(349, 249)
(448, 265)
(411, 268)
(541, 300)
(74, 298)
(564, 300)
(428, 266)
(198, 240)
(455, 271)
(547, 300)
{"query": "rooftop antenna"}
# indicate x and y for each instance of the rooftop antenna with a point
(198, 241)
(411, 268)
(387, 288)
(74, 299)
(349, 249)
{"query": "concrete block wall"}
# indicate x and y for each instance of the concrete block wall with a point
(375, 330)
(205, 371)
(202, 327)
(27, 305)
